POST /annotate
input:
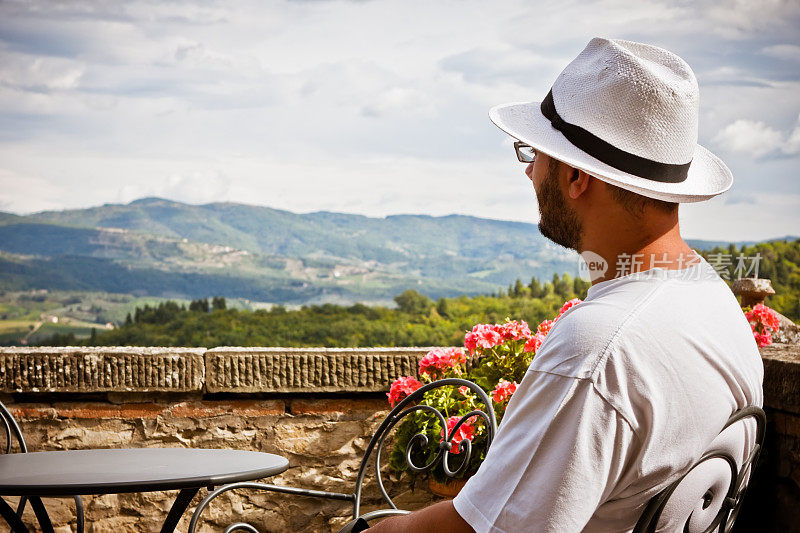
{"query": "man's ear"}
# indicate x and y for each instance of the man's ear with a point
(578, 182)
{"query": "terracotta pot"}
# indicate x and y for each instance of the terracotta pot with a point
(448, 489)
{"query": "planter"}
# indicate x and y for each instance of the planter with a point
(448, 489)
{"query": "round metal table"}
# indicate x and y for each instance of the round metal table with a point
(70, 473)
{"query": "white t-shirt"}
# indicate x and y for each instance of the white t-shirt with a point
(626, 392)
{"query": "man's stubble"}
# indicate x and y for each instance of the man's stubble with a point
(558, 221)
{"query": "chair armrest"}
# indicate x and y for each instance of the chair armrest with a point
(266, 487)
(361, 523)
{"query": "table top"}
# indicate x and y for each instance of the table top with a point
(69, 473)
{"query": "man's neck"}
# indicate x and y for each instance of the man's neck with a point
(633, 249)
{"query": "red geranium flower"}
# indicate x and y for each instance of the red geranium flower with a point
(465, 431)
(484, 336)
(440, 359)
(534, 342)
(401, 388)
(504, 390)
(764, 322)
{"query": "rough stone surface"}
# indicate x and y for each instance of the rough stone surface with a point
(788, 333)
(752, 286)
(323, 438)
(782, 377)
(99, 369)
(304, 369)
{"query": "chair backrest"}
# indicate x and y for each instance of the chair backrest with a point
(410, 405)
(708, 497)
(12, 430)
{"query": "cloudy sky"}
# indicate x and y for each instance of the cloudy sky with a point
(373, 107)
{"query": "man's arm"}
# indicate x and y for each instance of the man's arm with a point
(441, 517)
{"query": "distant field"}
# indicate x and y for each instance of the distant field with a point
(77, 311)
(49, 329)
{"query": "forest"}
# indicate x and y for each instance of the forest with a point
(416, 321)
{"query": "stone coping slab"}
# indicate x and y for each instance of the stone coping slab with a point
(243, 370)
(308, 369)
(101, 369)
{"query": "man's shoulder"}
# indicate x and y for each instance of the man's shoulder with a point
(631, 315)
(580, 337)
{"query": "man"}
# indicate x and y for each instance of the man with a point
(632, 385)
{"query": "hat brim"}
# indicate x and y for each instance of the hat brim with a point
(707, 177)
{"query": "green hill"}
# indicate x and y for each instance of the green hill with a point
(159, 247)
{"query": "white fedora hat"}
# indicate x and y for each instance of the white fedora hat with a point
(626, 113)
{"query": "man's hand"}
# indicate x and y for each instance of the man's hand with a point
(441, 517)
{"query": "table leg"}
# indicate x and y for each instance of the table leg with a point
(11, 518)
(181, 503)
(41, 514)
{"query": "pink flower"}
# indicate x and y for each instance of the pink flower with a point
(766, 316)
(568, 305)
(401, 388)
(513, 330)
(763, 339)
(465, 431)
(763, 322)
(440, 359)
(534, 342)
(504, 390)
(484, 336)
(464, 390)
(544, 327)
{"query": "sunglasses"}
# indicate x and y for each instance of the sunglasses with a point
(525, 152)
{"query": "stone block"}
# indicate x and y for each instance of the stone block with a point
(247, 370)
(101, 369)
(782, 377)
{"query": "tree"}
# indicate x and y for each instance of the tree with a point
(199, 306)
(218, 303)
(536, 289)
(443, 308)
(412, 302)
(518, 290)
(562, 287)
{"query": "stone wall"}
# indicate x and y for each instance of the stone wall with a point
(317, 407)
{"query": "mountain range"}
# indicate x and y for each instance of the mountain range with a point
(159, 247)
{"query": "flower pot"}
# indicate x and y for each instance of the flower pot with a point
(448, 489)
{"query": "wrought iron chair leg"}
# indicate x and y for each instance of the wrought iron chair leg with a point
(12, 518)
(41, 514)
(178, 507)
(80, 521)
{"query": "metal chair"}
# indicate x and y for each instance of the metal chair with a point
(708, 497)
(13, 518)
(406, 407)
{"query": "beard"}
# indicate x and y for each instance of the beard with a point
(558, 221)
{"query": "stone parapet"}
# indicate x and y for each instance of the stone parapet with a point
(782, 377)
(101, 369)
(270, 370)
(317, 407)
(247, 370)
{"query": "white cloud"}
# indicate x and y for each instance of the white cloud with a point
(758, 139)
(751, 216)
(197, 187)
(749, 136)
(373, 107)
(783, 51)
(792, 144)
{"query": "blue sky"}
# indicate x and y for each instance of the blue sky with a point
(373, 107)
